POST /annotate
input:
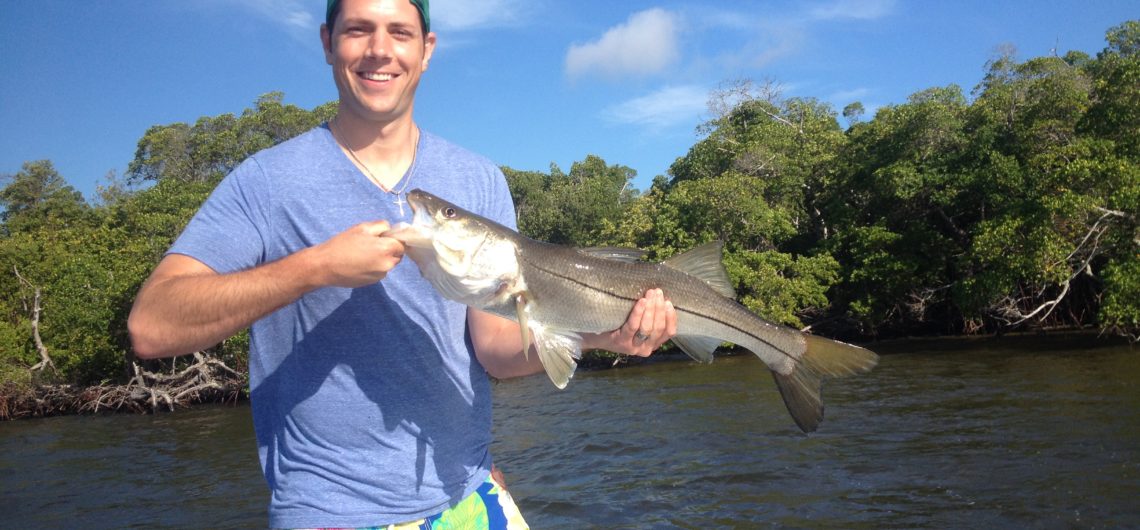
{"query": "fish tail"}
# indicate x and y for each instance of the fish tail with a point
(836, 359)
(822, 357)
(800, 390)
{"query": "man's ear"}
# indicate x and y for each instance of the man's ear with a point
(326, 43)
(429, 48)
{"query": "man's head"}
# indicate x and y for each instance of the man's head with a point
(333, 8)
(378, 52)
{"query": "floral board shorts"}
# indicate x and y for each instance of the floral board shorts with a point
(490, 508)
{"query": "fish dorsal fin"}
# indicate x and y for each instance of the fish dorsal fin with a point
(615, 253)
(704, 262)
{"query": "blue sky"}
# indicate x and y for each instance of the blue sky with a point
(525, 82)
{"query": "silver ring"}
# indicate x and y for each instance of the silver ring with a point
(641, 337)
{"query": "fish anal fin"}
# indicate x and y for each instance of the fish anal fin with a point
(559, 353)
(699, 347)
(800, 390)
(705, 263)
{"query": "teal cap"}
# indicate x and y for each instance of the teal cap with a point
(421, 5)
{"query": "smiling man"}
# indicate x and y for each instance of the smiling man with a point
(370, 392)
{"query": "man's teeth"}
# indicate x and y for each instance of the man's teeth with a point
(377, 77)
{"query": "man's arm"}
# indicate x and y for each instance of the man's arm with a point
(498, 341)
(186, 306)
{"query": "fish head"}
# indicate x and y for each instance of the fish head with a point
(467, 257)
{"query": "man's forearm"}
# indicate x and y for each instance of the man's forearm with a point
(183, 308)
(186, 306)
(498, 346)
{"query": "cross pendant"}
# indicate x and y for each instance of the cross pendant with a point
(399, 202)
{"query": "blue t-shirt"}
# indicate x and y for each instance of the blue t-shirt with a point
(369, 405)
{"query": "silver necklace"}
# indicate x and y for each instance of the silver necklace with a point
(398, 193)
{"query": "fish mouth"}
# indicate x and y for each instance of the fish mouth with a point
(419, 232)
(420, 212)
(415, 200)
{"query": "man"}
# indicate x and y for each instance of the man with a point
(370, 397)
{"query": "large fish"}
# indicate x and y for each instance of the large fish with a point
(557, 292)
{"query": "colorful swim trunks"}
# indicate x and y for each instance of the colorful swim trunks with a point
(490, 508)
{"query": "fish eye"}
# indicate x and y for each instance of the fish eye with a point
(449, 212)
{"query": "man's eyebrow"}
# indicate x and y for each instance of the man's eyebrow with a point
(358, 21)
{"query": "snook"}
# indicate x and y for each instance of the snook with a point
(556, 292)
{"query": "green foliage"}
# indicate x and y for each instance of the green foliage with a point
(214, 145)
(730, 208)
(88, 278)
(781, 287)
(1120, 310)
(1115, 110)
(788, 147)
(573, 208)
(853, 112)
(88, 261)
(37, 196)
(997, 211)
(944, 214)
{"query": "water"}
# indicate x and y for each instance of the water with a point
(961, 434)
(190, 469)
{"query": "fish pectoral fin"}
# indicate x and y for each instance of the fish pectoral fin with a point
(699, 347)
(523, 311)
(559, 353)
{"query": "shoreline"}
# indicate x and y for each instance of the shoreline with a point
(208, 381)
(204, 381)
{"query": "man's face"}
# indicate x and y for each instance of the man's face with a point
(378, 53)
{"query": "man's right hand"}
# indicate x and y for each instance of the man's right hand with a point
(359, 256)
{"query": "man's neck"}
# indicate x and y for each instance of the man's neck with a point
(382, 151)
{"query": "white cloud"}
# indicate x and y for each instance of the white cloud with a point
(741, 40)
(760, 38)
(772, 44)
(459, 15)
(644, 44)
(856, 9)
(847, 96)
(664, 108)
(294, 17)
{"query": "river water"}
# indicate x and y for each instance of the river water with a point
(951, 434)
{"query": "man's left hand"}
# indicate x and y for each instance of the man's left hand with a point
(651, 323)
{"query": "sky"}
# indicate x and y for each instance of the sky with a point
(527, 83)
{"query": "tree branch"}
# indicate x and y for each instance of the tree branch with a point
(45, 358)
(1089, 246)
